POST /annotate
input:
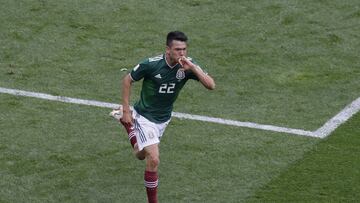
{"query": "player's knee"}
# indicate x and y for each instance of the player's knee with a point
(140, 155)
(153, 161)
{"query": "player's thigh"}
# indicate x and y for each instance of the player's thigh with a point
(152, 151)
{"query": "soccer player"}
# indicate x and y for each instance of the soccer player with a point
(163, 78)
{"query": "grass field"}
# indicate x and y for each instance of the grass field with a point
(286, 63)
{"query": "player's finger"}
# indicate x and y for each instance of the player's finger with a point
(180, 61)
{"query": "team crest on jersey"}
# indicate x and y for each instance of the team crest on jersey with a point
(180, 74)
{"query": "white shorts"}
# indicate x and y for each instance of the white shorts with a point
(147, 132)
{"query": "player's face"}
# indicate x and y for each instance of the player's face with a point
(176, 50)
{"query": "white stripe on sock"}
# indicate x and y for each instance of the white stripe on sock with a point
(153, 184)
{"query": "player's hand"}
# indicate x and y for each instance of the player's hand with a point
(186, 63)
(127, 118)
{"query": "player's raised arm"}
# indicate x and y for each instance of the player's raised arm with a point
(204, 78)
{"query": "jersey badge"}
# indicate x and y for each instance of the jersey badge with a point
(180, 74)
(158, 76)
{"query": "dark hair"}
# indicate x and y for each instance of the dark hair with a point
(175, 35)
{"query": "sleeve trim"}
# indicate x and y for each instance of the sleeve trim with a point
(132, 77)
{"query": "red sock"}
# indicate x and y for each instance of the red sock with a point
(131, 133)
(151, 184)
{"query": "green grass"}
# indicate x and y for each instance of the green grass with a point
(286, 63)
(64, 152)
(325, 174)
(258, 52)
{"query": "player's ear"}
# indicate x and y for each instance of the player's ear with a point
(167, 49)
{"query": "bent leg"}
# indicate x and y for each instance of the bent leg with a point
(139, 154)
(131, 133)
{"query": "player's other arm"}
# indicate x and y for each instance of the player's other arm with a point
(204, 78)
(126, 90)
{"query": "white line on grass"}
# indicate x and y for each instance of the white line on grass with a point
(245, 124)
(57, 98)
(174, 114)
(322, 132)
(339, 119)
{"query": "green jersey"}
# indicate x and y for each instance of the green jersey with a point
(161, 86)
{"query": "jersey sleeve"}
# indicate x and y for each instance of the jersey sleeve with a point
(139, 71)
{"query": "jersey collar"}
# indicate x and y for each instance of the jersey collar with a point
(171, 67)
